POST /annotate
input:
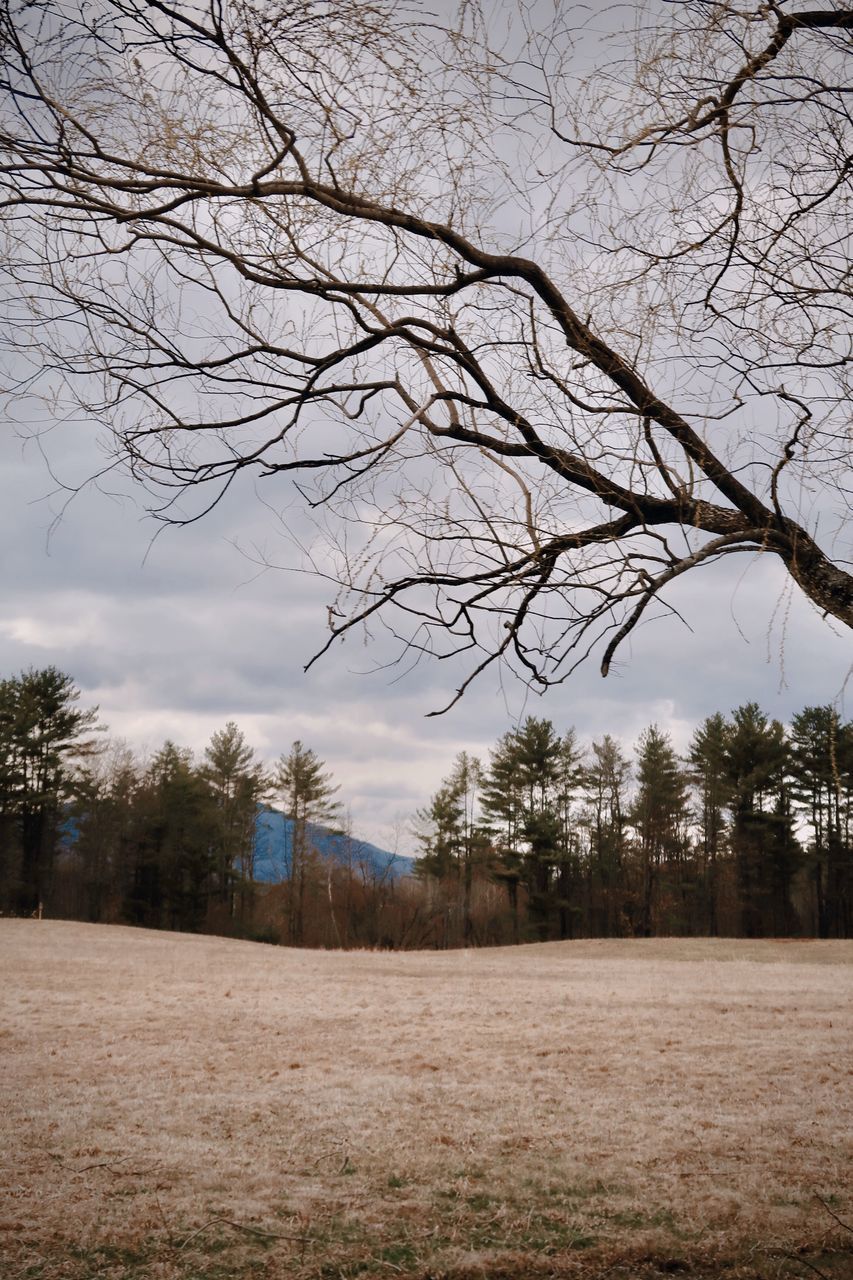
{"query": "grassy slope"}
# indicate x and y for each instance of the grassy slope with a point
(562, 1109)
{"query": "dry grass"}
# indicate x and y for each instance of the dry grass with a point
(568, 1109)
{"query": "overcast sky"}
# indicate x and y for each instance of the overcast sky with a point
(174, 637)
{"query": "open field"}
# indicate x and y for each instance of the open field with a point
(630, 1108)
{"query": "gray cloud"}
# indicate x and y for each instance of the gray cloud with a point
(174, 638)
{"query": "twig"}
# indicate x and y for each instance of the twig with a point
(164, 1220)
(241, 1226)
(832, 1214)
(108, 1164)
(793, 1257)
(99, 1164)
(324, 1155)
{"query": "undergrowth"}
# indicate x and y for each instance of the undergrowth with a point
(551, 1232)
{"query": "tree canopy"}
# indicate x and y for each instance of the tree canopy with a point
(43, 741)
(751, 833)
(541, 316)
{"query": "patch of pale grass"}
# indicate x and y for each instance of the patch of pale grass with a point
(494, 1112)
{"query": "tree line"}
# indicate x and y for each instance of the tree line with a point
(748, 833)
(87, 830)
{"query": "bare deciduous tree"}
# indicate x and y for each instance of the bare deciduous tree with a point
(542, 318)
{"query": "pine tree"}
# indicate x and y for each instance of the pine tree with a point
(605, 785)
(528, 795)
(11, 788)
(42, 736)
(238, 783)
(659, 816)
(175, 831)
(307, 794)
(502, 801)
(452, 841)
(439, 832)
(569, 787)
(765, 850)
(822, 768)
(539, 763)
(710, 778)
(103, 813)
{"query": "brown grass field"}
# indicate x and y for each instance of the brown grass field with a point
(191, 1108)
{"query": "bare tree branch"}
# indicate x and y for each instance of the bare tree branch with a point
(510, 319)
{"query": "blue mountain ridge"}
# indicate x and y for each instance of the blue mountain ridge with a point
(274, 841)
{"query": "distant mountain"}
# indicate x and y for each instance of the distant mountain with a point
(274, 838)
(275, 841)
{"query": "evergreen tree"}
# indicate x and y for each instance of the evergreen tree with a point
(763, 844)
(174, 834)
(569, 787)
(439, 832)
(659, 816)
(11, 787)
(42, 736)
(605, 786)
(307, 794)
(822, 768)
(103, 813)
(502, 800)
(529, 797)
(539, 764)
(710, 776)
(452, 841)
(238, 783)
